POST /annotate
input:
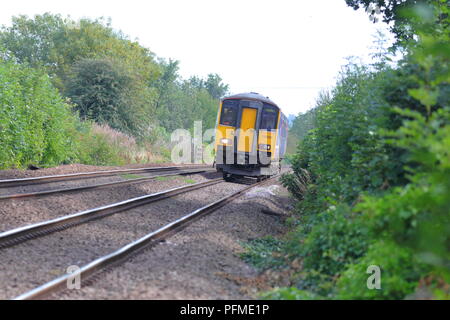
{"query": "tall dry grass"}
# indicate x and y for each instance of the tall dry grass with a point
(103, 145)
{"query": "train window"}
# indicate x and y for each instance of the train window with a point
(229, 113)
(269, 118)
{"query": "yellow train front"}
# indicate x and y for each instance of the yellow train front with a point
(251, 136)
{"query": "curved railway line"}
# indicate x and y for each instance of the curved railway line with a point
(98, 186)
(15, 236)
(134, 247)
(83, 175)
(18, 235)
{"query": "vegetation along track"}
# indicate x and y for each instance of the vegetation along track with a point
(17, 235)
(98, 186)
(134, 247)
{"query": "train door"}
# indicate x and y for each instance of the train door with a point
(247, 128)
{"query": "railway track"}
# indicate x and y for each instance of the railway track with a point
(72, 176)
(18, 235)
(98, 186)
(120, 255)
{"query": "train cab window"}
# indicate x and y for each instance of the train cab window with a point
(229, 113)
(269, 118)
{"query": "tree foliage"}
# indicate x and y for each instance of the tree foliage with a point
(180, 102)
(394, 12)
(106, 92)
(373, 174)
(111, 78)
(57, 43)
(108, 78)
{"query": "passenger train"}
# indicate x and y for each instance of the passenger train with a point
(251, 136)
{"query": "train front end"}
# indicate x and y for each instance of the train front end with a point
(251, 135)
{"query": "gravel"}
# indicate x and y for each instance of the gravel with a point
(70, 168)
(200, 262)
(88, 181)
(17, 212)
(38, 261)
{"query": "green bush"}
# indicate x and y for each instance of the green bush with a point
(416, 216)
(399, 275)
(378, 154)
(36, 125)
(109, 78)
(336, 238)
(96, 149)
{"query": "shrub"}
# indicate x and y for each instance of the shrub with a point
(379, 157)
(101, 145)
(36, 125)
(335, 238)
(400, 273)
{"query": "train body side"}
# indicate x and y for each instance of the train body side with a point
(251, 136)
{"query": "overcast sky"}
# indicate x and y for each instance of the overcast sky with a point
(285, 49)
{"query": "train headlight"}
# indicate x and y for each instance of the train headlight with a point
(225, 141)
(264, 147)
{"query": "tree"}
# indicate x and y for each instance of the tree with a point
(97, 39)
(393, 12)
(168, 104)
(106, 92)
(111, 78)
(215, 86)
(35, 41)
(57, 43)
(181, 102)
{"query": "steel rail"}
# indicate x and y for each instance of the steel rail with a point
(72, 176)
(97, 186)
(21, 234)
(123, 253)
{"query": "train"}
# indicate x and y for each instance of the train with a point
(250, 137)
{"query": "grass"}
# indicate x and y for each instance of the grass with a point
(130, 176)
(166, 178)
(262, 253)
(103, 145)
(186, 180)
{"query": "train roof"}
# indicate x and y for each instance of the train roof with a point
(252, 96)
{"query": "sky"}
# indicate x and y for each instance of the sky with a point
(288, 50)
